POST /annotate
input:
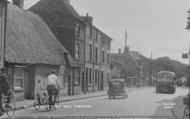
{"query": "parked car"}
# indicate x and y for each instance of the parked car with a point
(166, 82)
(117, 87)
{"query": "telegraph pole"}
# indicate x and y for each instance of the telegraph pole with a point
(150, 77)
(125, 54)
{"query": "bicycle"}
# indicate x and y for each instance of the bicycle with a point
(44, 102)
(186, 110)
(9, 110)
(55, 101)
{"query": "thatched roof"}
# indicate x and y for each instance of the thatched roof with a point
(29, 40)
(54, 9)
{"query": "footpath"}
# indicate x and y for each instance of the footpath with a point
(29, 103)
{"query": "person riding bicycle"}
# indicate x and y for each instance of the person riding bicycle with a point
(53, 87)
(39, 92)
(4, 88)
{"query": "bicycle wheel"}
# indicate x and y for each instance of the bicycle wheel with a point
(11, 110)
(186, 113)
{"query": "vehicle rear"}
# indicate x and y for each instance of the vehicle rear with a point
(117, 88)
(165, 82)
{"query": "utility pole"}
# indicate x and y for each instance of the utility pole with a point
(125, 55)
(150, 77)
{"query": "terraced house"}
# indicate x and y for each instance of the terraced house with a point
(31, 51)
(88, 46)
(97, 57)
(129, 64)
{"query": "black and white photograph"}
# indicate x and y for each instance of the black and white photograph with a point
(94, 59)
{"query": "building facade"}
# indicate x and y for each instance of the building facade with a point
(32, 52)
(97, 57)
(69, 29)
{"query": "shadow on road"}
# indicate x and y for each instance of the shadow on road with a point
(170, 108)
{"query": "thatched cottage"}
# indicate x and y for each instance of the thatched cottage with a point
(32, 51)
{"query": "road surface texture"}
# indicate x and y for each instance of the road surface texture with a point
(143, 102)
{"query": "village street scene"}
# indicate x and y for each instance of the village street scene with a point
(57, 61)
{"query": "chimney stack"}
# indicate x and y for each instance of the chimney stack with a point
(19, 3)
(87, 18)
(119, 51)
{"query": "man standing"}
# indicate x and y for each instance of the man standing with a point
(4, 89)
(53, 87)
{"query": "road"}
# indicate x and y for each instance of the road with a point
(143, 102)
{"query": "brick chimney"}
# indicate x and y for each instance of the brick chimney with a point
(87, 18)
(19, 3)
(119, 51)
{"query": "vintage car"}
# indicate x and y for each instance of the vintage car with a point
(117, 87)
(166, 82)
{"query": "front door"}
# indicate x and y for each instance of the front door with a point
(102, 80)
(83, 83)
(69, 84)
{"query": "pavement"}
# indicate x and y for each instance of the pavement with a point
(29, 103)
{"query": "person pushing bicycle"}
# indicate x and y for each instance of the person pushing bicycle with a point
(53, 87)
(39, 92)
(4, 89)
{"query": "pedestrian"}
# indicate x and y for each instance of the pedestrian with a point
(4, 89)
(39, 92)
(53, 87)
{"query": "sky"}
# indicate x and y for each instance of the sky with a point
(156, 26)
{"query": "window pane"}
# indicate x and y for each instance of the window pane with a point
(18, 83)
(18, 72)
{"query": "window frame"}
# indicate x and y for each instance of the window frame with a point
(96, 54)
(78, 29)
(77, 51)
(90, 52)
(21, 78)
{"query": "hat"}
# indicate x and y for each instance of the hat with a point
(53, 71)
(3, 69)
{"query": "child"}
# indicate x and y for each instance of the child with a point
(39, 92)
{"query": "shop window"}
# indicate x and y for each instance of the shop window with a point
(18, 78)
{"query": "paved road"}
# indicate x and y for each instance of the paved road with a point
(143, 102)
